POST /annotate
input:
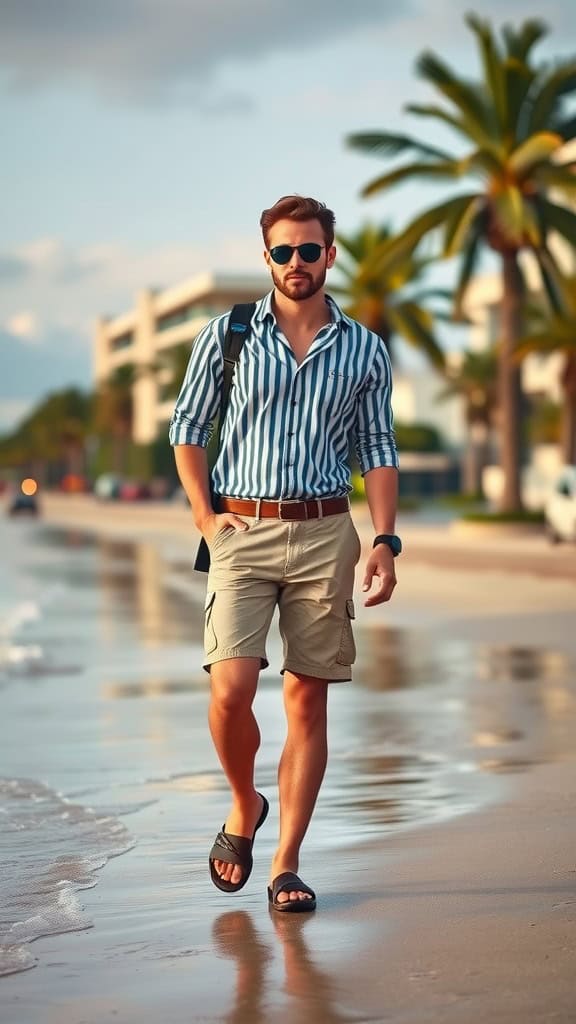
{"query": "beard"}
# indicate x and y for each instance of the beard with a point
(299, 285)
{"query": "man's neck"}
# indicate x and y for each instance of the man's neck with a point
(308, 313)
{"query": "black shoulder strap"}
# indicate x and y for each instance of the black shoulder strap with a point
(237, 332)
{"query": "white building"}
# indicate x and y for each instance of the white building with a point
(159, 321)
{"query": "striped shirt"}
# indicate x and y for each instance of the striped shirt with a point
(288, 427)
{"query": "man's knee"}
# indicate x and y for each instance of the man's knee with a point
(305, 699)
(233, 683)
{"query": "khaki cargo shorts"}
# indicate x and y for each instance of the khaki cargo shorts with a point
(307, 569)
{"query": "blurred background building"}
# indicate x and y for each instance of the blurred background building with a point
(149, 338)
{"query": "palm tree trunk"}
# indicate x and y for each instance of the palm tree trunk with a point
(509, 382)
(476, 458)
(569, 412)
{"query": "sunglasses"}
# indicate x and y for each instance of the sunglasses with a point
(309, 252)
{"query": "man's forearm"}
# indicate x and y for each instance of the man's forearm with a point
(381, 487)
(192, 466)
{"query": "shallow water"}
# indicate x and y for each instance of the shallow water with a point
(104, 716)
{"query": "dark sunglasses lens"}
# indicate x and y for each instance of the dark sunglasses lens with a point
(281, 253)
(310, 252)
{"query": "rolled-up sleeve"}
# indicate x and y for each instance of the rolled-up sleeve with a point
(374, 437)
(199, 398)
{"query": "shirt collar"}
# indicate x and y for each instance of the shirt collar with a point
(264, 311)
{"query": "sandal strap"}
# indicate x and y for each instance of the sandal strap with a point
(231, 849)
(289, 881)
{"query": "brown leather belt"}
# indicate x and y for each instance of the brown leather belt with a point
(312, 508)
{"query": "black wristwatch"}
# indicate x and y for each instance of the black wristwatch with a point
(391, 540)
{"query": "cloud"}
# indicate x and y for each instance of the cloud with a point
(143, 50)
(47, 258)
(23, 326)
(67, 304)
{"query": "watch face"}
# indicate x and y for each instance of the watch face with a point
(393, 542)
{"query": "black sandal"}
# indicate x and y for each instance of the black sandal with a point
(235, 850)
(289, 881)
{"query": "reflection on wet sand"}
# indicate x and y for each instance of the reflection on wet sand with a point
(311, 992)
(426, 708)
(134, 582)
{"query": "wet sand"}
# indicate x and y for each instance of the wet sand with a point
(471, 919)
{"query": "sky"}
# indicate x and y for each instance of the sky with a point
(143, 138)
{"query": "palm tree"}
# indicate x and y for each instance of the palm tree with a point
(114, 410)
(375, 277)
(556, 332)
(515, 123)
(176, 360)
(473, 379)
(53, 434)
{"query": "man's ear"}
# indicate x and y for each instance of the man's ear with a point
(267, 257)
(331, 256)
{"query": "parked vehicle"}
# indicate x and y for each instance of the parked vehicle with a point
(133, 490)
(560, 508)
(107, 486)
(24, 504)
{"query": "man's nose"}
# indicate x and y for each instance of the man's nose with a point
(296, 260)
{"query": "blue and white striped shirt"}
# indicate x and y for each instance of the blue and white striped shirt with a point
(287, 427)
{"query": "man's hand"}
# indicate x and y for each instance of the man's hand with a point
(213, 523)
(380, 565)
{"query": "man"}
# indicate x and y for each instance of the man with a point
(308, 379)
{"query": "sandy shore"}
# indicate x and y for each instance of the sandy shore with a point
(471, 920)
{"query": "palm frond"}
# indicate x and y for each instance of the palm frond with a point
(560, 291)
(558, 218)
(447, 169)
(520, 42)
(465, 97)
(464, 127)
(392, 144)
(416, 326)
(519, 78)
(556, 177)
(458, 226)
(550, 87)
(558, 336)
(493, 68)
(430, 220)
(485, 162)
(534, 150)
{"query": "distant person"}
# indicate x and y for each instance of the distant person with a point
(280, 531)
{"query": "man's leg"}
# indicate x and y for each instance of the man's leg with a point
(301, 768)
(236, 737)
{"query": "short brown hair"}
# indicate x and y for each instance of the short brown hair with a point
(299, 208)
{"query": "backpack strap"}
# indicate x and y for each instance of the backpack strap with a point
(236, 333)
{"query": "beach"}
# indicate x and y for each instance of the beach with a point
(442, 849)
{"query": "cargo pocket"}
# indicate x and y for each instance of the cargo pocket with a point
(347, 650)
(210, 641)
